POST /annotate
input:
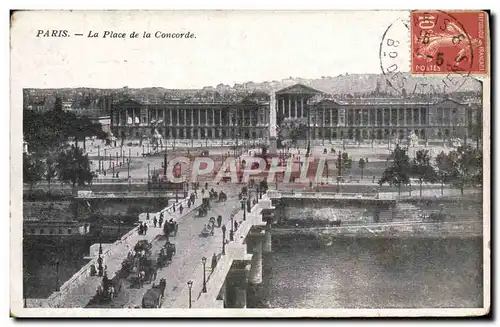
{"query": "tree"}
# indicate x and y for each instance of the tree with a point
(343, 164)
(32, 170)
(73, 167)
(443, 169)
(422, 169)
(50, 170)
(361, 164)
(84, 127)
(399, 173)
(465, 164)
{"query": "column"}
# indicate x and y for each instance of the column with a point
(283, 108)
(170, 120)
(206, 118)
(420, 116)
(289, 107)
(243, 117)
(199, 117)
(220, 118)
(375, 117)
(405, 114)
(192, 116)
(255, 276)
(302, 107)
(331, 117)
(296, 104)
(178, 117)
(185, 119)
(390, 117)
(213, 117)
(412, 121)
(383, 116)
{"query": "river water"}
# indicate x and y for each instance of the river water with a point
(307, 272)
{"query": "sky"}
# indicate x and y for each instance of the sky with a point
(230, 47)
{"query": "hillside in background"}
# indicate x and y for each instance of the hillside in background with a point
(342, 86)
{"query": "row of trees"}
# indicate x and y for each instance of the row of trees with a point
(49, 130)
(69, 166)
(50, 156)
(461, 168)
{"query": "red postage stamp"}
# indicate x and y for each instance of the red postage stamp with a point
(449, 42)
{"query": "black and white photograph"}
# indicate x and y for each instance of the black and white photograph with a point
(250, 163)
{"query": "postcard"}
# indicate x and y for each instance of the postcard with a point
(250, 163)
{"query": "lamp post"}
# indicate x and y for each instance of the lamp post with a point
(204, 261)
(243, 204)
(224, 241)
(190, 286)
(231, 232)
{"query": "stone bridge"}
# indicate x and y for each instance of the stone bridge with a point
(239, 261)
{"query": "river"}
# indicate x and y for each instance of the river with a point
(306, 272)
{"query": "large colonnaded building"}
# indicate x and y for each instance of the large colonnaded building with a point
(329, 119)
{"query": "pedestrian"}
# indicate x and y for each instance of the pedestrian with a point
(173, 207)
(223, 228)
(141, 229)
(235, 226)
(155, 221)
(219, 220)
(147, 215)
(181, 209)
(166, 230)
(145, 228)
(161, 219)
(214, 262)
(189, 204)
(206, 186)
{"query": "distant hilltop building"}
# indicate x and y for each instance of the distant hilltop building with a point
(231, 116)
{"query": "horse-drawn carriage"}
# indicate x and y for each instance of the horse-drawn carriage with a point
(165, 255)
(143, 245)
(213, 194)
(208, 229)
(108, 289)
(153, 297)
(205, 206)
(144, 272)
(170, 248)
(222, 197)
(172, 227)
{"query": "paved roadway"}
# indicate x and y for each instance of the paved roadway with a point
(190, 246)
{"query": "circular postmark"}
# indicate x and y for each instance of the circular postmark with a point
(429, 53)
(394, 55)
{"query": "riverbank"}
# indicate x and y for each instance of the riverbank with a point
(460, 229)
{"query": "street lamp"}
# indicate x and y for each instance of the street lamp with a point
(243, 203)
(224, 242)
(204, 261)
(231, 232)
(190, 285)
